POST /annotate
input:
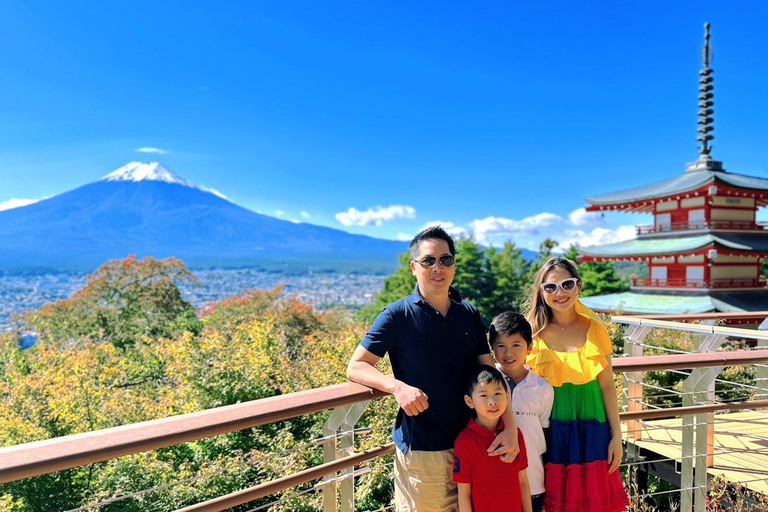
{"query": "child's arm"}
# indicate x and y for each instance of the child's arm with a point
(465, 498)
(608, 389)
(506, 443)
(525, 493)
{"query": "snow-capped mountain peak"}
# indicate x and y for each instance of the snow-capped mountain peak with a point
(143, 171)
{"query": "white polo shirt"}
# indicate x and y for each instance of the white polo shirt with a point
(532, 403)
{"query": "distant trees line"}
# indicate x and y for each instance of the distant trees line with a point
(496, 279)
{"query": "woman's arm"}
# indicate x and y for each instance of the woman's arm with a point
(525, 493)
(608, 389)
(465, 497)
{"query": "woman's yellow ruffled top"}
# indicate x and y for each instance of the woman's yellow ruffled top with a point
(577, 367)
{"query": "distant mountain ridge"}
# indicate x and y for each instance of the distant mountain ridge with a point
(146, 209)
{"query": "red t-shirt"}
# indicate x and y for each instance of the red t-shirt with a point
(495, 484)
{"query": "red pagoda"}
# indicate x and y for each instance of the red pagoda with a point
(704, 248)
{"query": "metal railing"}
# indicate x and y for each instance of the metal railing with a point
(349, 400)
(725, 225)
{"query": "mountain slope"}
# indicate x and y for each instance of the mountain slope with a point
(145, 209)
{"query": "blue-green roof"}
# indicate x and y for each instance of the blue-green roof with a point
(646, 304)
(679, 184)
(677, 304)
(675, 245)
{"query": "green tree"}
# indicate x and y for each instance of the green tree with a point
(597, 278)
(510, 269)
(474, 278)
(398, 285)
(123, 301)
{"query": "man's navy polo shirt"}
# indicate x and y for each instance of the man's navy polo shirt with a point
(436, 354)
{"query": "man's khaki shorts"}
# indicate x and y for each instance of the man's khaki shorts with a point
(424, 482)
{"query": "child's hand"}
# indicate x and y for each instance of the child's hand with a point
(505, 445)
(615, 451)
(411, 399)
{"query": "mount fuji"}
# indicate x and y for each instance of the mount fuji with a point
(147, 210)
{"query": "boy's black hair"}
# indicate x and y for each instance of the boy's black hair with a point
(509, 323)
(484, 374)
(431, 233)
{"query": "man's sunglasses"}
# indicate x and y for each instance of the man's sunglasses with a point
(566, 284)
(446, 260)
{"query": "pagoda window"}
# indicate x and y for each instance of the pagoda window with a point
(692, 202)
(733, 214)
(694, 274)
(666, 206)
(663, 221)
(696, 218)
(734, 272)
(658, 273)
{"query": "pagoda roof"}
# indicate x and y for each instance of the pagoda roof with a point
(685, 182)
(677, 304)
(663, 246)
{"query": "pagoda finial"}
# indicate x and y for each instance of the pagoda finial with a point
(705, 96)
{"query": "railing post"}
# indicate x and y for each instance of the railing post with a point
(342, 419)
(698, 431)
(761, 377)
(633, 381)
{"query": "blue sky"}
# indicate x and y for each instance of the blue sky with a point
(495, 118)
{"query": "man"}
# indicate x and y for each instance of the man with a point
(434, 340)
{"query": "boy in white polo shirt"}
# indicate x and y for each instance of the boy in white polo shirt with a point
(511, 340)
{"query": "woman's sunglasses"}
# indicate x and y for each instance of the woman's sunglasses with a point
(566, 284)
(446, 260)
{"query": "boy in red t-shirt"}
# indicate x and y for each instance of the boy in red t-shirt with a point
(487, 484)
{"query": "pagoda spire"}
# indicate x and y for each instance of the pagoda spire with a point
(705, 162)
(705, 96)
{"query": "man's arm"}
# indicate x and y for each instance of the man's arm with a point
(465, 498)
(362, 369)
(505, 443)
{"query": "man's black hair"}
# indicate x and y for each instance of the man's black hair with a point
(484, 374)
(509, 323)
(431, 233)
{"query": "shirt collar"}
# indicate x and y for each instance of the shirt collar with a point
(474, 425)
(453, 294)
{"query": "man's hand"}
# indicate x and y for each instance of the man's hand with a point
(505, 445)
(411, 399)
(615, 451)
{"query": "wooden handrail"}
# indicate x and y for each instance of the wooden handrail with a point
(673, 412)
(694, 328)
(41, 457)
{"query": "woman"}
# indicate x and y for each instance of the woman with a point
(572, 350)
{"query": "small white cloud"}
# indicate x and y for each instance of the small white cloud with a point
(582, 217)
(156, 151)
(449, 227)
(305, 215)
(494, 228)
(279, 213)
(15, 203)
(403, 237)
(296, 221)
(598, 236)
(375, 216)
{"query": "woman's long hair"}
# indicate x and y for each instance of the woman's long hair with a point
(536, 310)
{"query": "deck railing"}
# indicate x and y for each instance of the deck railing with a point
(647, 282)
(725, 225)
(348, 402)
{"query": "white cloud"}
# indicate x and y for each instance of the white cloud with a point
(296, 221)
(156, 151)
(404, 237)
(15, 203)
(582, 217)
(375, 216)
(494, 227)
(305, 215)
(598, 236)
(449, 227)
(279, 213)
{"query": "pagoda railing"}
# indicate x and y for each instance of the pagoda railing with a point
(647, 282)
(738, 225)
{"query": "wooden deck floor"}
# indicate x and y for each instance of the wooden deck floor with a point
(741, 446)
